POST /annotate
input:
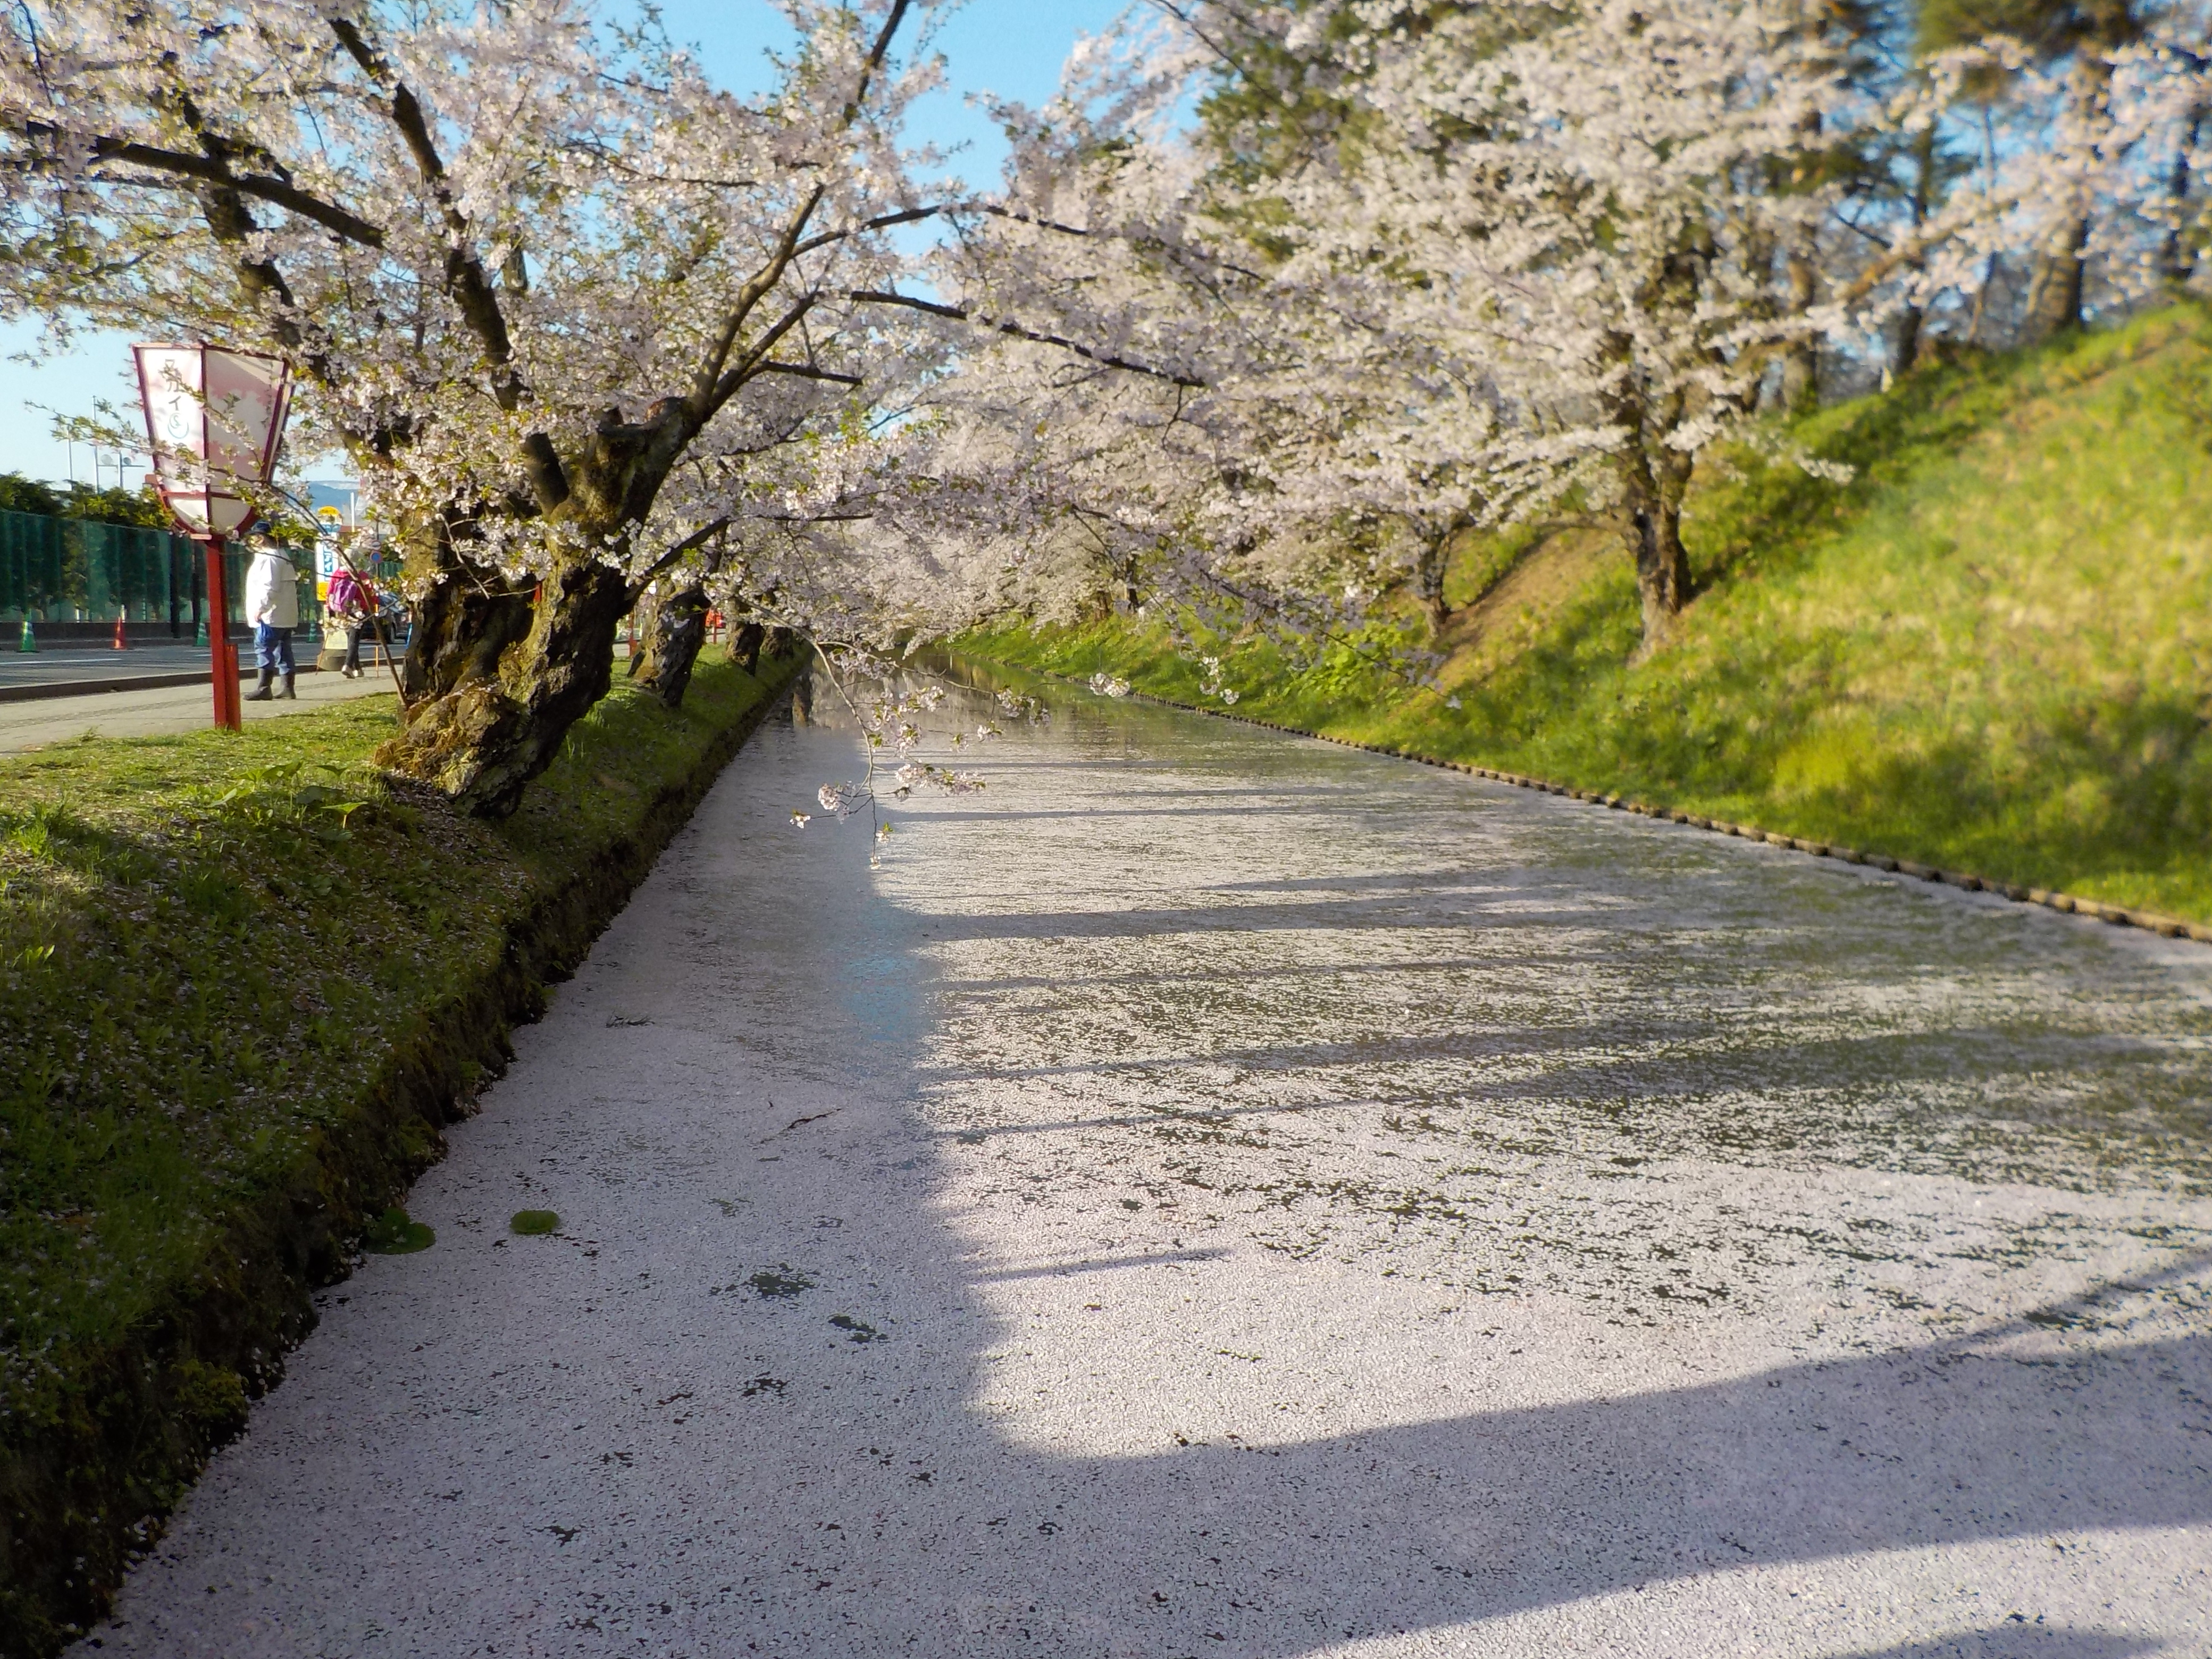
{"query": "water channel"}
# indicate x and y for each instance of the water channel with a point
(1217, 1193)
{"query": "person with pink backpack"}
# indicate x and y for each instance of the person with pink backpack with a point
(350, 605)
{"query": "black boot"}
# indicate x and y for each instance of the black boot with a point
(261, 692)
(286, 691)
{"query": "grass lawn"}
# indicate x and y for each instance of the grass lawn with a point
(218, 953)
(1991, 650)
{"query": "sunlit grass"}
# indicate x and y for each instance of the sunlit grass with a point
(1991, 650)
(209, 944)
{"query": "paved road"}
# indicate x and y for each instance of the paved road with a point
(150, 714)
(91, 662)
(77, 661)
(1219, 1194)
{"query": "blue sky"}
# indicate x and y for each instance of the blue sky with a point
(1013, 48)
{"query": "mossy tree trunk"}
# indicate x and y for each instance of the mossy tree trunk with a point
(745, 645)
(672, 638)
(671, 643)
(1662, 566)
(1431, 564)
(489, 722)
(497, 673)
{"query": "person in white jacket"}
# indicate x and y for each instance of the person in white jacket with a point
(272, 605)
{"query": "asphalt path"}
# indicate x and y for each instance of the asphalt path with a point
(162, 711)
(86, 660)
(1214, 1193)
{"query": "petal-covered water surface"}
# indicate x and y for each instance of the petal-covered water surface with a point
(1212, 1192)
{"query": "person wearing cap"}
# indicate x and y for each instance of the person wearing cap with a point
(272, 605)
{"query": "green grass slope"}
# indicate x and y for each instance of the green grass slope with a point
(1990, 650)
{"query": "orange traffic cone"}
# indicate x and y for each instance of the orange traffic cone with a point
(121, 644)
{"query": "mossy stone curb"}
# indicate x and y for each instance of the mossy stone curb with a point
(2118, 916)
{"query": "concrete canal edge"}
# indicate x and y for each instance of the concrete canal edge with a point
(81, 1496)
(2118, 916)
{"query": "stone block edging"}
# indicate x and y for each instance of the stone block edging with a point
(2118, 916)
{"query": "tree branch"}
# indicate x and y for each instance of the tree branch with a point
(875, 62)
(698, 538)
(750, 364)
(712, 388)
(465, 278)
(882, 222)
(864, 296)
(806, 372)
(276, 192)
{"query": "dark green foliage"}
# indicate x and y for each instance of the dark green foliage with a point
(113, 505)
(21, 495)
(2051, 27)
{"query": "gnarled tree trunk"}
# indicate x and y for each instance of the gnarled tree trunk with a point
(1663, 567)
(745, 645)
(671, 642)
(466, 618)
(489, 720)
(1654, 479)
(496, 687)
(1430, 565)
(1654, 476)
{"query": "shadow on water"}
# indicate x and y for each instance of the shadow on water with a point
(1265, 1548)
(838, 1481)
(2015, 1639)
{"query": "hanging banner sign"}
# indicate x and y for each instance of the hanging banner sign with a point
(328, 522)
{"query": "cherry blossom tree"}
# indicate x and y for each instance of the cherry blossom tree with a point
(580, 319)
(1445, 269)
(593, 330)
(2094, 150)
(1538, 257)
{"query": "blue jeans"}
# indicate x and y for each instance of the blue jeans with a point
(272, 648)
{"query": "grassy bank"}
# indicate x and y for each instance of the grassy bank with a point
(243, 983)
(1990, 650)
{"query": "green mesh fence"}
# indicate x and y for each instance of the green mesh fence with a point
(33, 572)
(145, 575)
(74, 571)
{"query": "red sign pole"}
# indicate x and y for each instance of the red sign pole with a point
(213, 419)
(229, 712)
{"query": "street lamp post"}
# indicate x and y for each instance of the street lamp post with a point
(214, 420)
